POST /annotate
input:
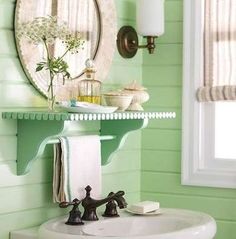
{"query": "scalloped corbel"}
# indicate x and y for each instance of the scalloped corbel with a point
(32, 138)
(120, 129)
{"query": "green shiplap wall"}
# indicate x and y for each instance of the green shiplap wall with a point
(25, 201)
(161, 141)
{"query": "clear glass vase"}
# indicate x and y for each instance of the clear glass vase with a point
(53, 88)
(51, 98)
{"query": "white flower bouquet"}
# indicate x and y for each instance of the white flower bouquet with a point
(46, 30)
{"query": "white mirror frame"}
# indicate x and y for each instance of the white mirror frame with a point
(198, 167)
(104, 55)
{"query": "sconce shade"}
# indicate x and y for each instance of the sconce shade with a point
(150, 17)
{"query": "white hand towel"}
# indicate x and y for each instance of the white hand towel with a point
(77, 163)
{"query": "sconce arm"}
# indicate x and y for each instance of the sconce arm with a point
(150, 44)
(128, 44)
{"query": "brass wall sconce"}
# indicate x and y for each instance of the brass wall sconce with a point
(128, 44)
(150, 25)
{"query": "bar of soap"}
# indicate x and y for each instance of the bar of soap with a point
(145, 207)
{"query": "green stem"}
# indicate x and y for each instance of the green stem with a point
(51, 97)
(51, 90)
(65, 53)
(47, 50)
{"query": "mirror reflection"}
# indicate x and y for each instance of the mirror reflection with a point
(81, 16)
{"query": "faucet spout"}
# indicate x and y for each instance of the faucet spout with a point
(120, 202)
(90, 205)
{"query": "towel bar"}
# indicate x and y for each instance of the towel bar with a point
(102, 138)
(36, 129)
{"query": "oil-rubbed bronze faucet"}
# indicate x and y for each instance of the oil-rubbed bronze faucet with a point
(75, 214)
(90, 205)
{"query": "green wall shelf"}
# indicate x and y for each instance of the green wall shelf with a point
(37, 129)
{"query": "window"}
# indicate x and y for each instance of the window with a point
(209, 128)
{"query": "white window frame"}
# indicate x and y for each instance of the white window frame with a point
(199, 168)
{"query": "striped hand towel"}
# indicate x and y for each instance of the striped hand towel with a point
(77, 163)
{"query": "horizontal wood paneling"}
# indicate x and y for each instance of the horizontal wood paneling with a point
(13, 65)
(41, 173)
(158, 161)
(7, 127)
(173, 33)
(133, 141)
(7, 14)
(218, 208)
(164, 97)
(208, 205)
(166, 54)
(117, 75)
(226, 229)
(7, 43)
(20, 95)
(162, 76)
(25, 197)
(161, 142)
(166, 123)
(159, 139)
(128, 182)
(26, 200)
(126, 9)
(7, 1)
(8, 148)
(28, 218)
(174, 11)
(35, 217)
(124, 161)
(135, 61)
(173, 184)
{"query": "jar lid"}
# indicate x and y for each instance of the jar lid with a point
(116, 93)
(135, 86)
(90, 68)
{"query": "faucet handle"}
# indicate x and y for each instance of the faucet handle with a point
(75, 214)
(120, 199)
(111, 209)
(88, 190)
(120, 193)
(76, 202)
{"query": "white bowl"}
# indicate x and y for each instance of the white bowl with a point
(120, 101)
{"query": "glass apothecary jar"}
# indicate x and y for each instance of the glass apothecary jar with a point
(90, 88)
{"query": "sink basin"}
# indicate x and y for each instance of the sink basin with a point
(171, 224)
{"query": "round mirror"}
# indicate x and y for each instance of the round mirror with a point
(95, 23)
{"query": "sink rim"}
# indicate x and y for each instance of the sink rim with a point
(205, 221)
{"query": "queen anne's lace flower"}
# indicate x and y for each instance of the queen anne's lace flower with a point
(73, 43)
(46, 30)
(43, 29)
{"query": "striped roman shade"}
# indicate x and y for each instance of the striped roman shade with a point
(219, 51)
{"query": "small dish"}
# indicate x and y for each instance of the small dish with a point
(120, 101)
(84, 107)
(156, 212)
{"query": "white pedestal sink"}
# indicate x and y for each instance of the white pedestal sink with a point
(171, 224)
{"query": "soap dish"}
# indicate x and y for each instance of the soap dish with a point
(156, 212)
